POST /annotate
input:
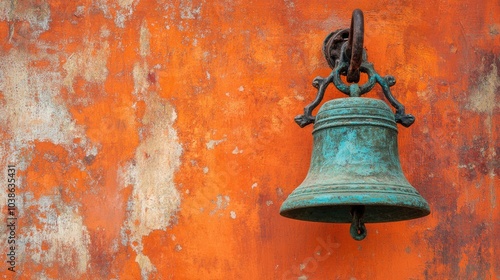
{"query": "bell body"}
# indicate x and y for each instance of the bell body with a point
(355, 162)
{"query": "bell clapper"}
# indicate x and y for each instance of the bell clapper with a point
(358, 229)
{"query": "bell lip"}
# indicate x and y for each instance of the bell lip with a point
(412, 207)
(422, 215)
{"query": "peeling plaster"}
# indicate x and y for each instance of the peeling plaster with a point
(155, 199)
(178, 248)
(221, 203)
(124, 10)
(62, 240)
(36, 14)
(32, 103)
(187, 11)
(289, 4)
(140, 74)
(212, 143)
(80, 11)
(89, 63)
(482, 98)
(237, 151)
(146, 266)
(126, 4)
(33, 107)
(127, 9)
(144, 38)
(279, 192)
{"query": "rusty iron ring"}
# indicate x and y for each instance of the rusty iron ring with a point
(355, 46)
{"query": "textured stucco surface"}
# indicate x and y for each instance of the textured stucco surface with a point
(154, 139)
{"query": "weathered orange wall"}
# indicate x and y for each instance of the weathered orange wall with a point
(155, 139)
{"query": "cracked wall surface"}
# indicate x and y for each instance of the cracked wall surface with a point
(154, 139)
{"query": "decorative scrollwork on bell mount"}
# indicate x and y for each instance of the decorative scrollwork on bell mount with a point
(355, 174)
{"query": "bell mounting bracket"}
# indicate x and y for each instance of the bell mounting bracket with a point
(346, 56)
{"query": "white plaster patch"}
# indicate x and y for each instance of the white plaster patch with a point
(124, 10)
(5, 7)
(237, 151)
(482, 99)
(144, 37)
(302, 266)
(221, 203)
(127, 175)
(89, 63)
(80, 11)
(212, 143)
(289, 4)
(178, 248)
(38, 15)
(146, 266)
(127, 9)
(155, 198)
(32, 109)
(120, 19)
(61, 239)
(103, 6)
(140, 74)
(279, 192)
(126, 4)
(188, 11)
(105, 33)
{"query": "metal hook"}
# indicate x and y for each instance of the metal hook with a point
(355, 46)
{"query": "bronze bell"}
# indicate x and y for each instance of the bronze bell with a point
(355, 174)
